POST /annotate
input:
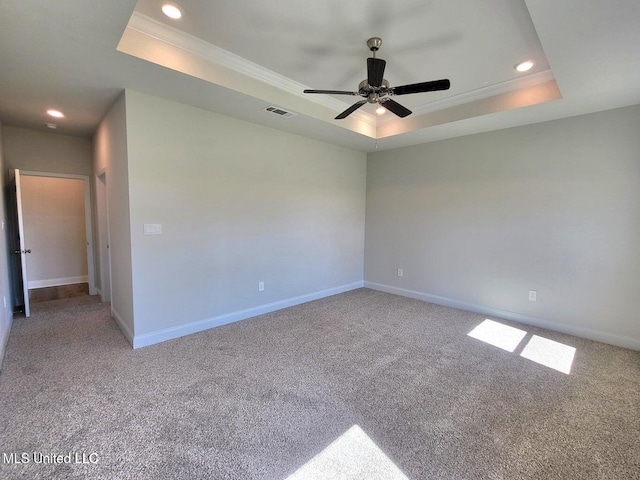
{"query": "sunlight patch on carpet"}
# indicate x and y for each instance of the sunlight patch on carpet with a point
(549, 353)
(499, 335)
(353, 455)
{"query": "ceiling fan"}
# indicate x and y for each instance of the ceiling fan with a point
(375, 89)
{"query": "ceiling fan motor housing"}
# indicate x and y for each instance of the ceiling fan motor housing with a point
(373, 93)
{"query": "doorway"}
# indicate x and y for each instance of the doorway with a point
(55, 230)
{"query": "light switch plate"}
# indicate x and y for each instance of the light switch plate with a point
(153, 229)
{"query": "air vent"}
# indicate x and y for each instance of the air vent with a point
(279, 111)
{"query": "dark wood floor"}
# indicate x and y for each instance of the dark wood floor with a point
(59, 292)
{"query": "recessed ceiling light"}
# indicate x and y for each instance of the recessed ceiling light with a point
(52, 126)
(55, 113)
(380, 110)
(172, 10)
(525, 66)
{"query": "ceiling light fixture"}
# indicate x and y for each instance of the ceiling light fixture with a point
(525, 66)
(55, 113)
(380, 110)
(172, 10)
(52, 126)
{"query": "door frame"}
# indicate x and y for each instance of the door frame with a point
(88, 220)
(105, 270)
(20, 282)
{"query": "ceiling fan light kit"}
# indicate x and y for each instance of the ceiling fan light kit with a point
(375, 89)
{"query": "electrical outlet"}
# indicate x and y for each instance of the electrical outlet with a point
(533, 296)
(400, 272)
(261, 286)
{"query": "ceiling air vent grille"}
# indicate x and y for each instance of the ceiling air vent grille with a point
(279, 111)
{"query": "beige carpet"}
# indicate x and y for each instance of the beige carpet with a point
(359, 385)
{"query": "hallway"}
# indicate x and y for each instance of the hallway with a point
(59, 292)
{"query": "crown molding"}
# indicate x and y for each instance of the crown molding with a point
(515, 84)
(218, 56)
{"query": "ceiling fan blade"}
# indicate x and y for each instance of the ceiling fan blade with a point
(395, 107)
(351, 109)
(332, 92)
(422, 87)
(375, 71)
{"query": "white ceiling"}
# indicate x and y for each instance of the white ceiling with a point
(224, 56)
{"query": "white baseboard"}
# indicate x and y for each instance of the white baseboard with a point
(56, 282)
(583, 332)
(126, 331)
(201, 325)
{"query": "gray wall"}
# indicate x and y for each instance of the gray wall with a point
(110, 157)
(47, 152)
(54, 230)
(6, 315)
(238, 204)
(478, 221)
(475, 221)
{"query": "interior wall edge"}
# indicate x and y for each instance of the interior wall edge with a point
(171, 333)
(4, 339)
(582, 332)
(124, 328)
(6, 310)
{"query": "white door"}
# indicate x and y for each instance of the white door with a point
(20, 250)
